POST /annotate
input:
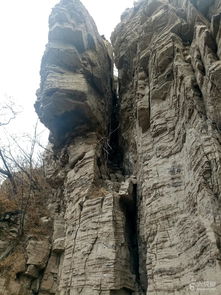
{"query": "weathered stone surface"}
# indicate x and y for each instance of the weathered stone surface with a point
(48, 284)
(96, 254)
(38, 253)
(176, 157)
(32, 271)
(91, 251)
(59, 245)
(75, 90)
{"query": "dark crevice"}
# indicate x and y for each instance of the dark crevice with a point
(129, 207)
(185, 32)
(123, 291)
(115, 155)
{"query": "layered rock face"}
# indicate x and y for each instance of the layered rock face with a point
(91, 250)
(168, 56)
(75, 75)
(134, 167)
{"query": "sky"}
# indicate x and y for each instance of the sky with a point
(24, 31)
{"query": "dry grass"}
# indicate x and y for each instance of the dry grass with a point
(6, 204)
(31, 199)
(13, 264)
(97, 192)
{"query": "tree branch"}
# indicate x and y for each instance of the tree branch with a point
(8, 173)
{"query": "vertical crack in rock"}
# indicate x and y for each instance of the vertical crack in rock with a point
(77, 101)
(129, 207)
(115, 156)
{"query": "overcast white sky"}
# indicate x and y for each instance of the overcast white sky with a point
(23, 33)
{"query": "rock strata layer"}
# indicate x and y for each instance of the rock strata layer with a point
(134, 165)
(168, 57)
(76, 102)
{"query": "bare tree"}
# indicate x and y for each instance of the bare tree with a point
(8, 111)
(21, 167)
(7, 172)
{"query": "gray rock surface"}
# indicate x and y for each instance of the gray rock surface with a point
(167, 53)
(75, 101)
(75, 90)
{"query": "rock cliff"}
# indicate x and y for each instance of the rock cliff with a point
(168, 56)
(134, 162)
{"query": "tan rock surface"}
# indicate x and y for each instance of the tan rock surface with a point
(89, 239)
(38, 253)
(177, 158)
(75, 90)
